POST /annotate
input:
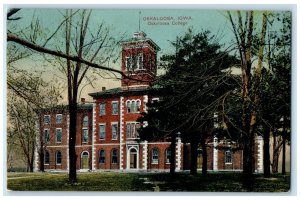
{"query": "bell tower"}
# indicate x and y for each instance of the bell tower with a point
(139, 61)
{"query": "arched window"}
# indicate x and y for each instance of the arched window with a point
(114, 156)
(101, 156)
(168, 155)
(155, 154)
(85, 121)
(138, 106)
(58, 158)
(47, 157)
(133, 108)
(128, 106)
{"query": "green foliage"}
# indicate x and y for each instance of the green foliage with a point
(108, 181)
(192, 88)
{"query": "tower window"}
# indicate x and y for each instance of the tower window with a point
(134, 62)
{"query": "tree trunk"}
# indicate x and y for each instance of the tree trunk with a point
(266, 153)
(275, 155)
(72, 142)
(283, 154)
(173, 153)
(194, 154)
(284, 138)
(204, 156)
(41, 148)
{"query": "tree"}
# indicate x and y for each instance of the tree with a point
(244, 32)
(26, 94)
(191, 91)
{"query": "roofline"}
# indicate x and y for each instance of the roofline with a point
(106, 94)
(146, 39)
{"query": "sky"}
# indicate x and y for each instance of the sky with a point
(161, 25)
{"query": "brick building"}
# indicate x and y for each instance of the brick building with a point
(107, 137)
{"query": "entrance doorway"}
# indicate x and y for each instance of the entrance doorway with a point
(133, 158)
(199, 159)
(85, 160)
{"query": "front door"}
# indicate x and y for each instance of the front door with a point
(133, 159)
(199, 159)
(85, 160)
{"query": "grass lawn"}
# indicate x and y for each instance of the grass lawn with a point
(113, 181)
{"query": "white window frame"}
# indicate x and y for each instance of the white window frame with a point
(102, 124)
(61, 118)
(139, 67)
(83, 131)
(102, 114)
(45, 158)
(138, 106)
(231, 156)
(56, 153)
(56, 141)
(100, 156)
(49, 119)
(154, 161)
(133, 130)
(112, 124)
(128, 68)
(116, 156)
(112, 107)
(132, 106)
(168, 150)
(128, 106)
(47, 142)
(83, 124)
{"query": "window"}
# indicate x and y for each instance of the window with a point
(128, 134)
(137, 127)
(155, 156)
(133, 62)
(168, 156)
(58, 158)
(132, 106)
(85, 135)
(114, 131)
(114, 156)
(132, 130)
(128, 106)
(46, 135)
(102, 156)
(58, 119)
(47, 158)
(102, 131)
(47, 119)
(228, 156)
(102, 109)
(58, 135)
(138, 106)
(85, 121)
(129, 63)
(115, 108)
(140, 61)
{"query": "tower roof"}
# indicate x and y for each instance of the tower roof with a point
(140, 36)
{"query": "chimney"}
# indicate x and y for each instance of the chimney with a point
(83, 100)
(103, 88)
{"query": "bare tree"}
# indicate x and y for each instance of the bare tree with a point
(244, 34)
